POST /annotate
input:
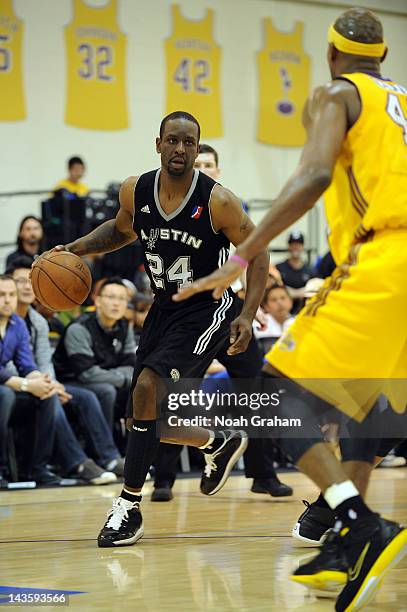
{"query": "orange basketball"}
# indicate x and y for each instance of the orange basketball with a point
(61, 280)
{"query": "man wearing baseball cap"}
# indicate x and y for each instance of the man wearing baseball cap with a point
(294, 271)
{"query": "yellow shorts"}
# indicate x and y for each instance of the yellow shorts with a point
(354, 328)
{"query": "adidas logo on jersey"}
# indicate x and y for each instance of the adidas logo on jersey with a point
(145, 209)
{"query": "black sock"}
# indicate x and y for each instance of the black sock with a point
(131, 497)
(352, 509)
(320, 502)
(142, 446)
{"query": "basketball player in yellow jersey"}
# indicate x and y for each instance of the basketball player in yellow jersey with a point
(193, 71)
(96, 96)
(355, 327)
(12, 99)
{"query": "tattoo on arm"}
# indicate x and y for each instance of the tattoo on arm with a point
(243, 225)
(103, 239)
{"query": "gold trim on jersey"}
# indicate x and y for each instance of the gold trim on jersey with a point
(340, 274)
(358, 201)
(363, 234)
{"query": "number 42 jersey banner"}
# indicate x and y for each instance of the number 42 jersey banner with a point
(193, 71)
(96, 96)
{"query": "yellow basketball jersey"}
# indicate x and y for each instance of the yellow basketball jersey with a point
(284, 79)
(369, 187)
(96, 66)
(193, 71)
(12, 100)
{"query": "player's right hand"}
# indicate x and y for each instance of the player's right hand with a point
(57, 248)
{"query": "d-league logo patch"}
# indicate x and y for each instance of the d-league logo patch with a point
(196, 213)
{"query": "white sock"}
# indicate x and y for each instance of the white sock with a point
(336, 494)
(210, 441)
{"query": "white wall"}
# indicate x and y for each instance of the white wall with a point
(33, 152)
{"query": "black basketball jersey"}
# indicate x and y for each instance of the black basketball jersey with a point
(182, 246)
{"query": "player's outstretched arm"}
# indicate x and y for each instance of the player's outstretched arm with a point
(326, 120)
(112, 234)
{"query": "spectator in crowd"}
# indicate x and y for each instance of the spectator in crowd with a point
(98, 349)
(29, 389)
(208, 161)
(29, 240)
(294, 271)
(73, 459)
(72, 185)
(276, 304)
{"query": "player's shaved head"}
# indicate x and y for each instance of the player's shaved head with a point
(360, 25)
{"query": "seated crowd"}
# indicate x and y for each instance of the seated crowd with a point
(65, 407)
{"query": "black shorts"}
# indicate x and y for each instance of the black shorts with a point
(181, 343)
(243, 365)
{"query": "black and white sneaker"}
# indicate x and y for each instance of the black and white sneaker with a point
(124, 525)
(313, 525)
(220, 461)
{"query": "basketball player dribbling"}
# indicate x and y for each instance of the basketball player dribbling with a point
(355, 328)
(185, 222)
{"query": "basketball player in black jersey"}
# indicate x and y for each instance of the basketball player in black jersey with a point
(185, 222)
(241, 368)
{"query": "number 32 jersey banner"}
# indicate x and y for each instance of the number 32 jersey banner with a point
(96, 96)
(12, 101)
(193, 71)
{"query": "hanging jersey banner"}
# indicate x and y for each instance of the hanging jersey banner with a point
(193, 71)
(12, 100)
(284, 81)
(96, 95)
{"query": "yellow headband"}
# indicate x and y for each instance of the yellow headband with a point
(355, 48)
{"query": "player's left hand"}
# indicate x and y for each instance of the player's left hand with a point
(219, 280)
(241, 332)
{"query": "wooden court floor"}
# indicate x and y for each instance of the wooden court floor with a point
(229, 552)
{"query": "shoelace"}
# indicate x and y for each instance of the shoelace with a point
(210, 465)
(307, 505)
(119, 513)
